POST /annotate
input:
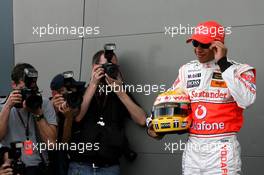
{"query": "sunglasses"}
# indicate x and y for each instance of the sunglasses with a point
(197, 43)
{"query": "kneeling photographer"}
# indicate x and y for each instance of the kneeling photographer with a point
(67, 97)
(102, 119)
(27, 119)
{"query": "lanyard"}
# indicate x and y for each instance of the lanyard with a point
(101, 102)
(26, 126)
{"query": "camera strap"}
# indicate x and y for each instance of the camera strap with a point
(25, 125)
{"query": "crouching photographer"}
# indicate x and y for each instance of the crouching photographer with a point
(67, 97)
(28, 119)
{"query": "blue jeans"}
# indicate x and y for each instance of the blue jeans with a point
(76, 168)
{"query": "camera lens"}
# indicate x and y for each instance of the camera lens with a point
(111, 70)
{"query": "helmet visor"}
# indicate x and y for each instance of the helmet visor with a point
(180, 109)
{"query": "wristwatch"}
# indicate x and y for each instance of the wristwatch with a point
(38, 117)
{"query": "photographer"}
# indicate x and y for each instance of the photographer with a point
(27, 118)
(101, 119)
(67, 96)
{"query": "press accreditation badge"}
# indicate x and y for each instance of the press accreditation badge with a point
(28, 147)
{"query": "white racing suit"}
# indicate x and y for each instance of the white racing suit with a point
(218, 93)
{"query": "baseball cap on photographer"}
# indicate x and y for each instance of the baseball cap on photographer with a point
(207, 32)
(59, 81)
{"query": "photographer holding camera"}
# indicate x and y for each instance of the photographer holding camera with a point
(101, 119)
(67, 96)
(27, 119)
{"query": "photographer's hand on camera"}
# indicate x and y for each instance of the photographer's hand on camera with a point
(5, 167)
(6, 170)
(57, 101)
(115, 84)
(64, 108)
(97, 74)
(60, 104)
(15, 97)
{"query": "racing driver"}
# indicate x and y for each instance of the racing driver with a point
(219, 89)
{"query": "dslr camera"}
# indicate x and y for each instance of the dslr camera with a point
(110, 69)
(75, 90)
(15, 155)
(30, 93)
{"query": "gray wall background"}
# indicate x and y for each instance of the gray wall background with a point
(6, 45)
(146, 55)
